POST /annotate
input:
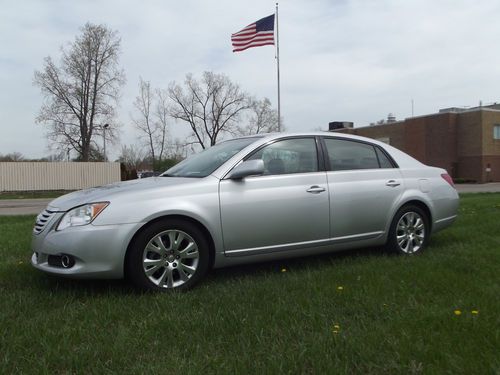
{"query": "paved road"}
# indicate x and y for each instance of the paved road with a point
(492, 187)
(35, 206)
(22, 206)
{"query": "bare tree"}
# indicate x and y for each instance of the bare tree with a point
(179, 149)
(152, 119)
(144, 123)
(82, 92)
(13, 156)
(57, 157)
(161, 114)
(263, 118)
(132, 156)
(211, 106)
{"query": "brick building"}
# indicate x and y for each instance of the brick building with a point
(465, 142)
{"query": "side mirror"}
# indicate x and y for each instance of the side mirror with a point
(247, 168)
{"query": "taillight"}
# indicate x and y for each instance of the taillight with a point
(448, 179)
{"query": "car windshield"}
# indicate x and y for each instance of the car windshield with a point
(207, 161)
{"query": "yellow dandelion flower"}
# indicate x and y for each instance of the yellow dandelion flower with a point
(335, 332)
(475, 312)
(20, 262)
(336, 326)
(340, 288)
(457, 312)
(283, 270)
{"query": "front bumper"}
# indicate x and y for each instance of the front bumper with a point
(98, 251)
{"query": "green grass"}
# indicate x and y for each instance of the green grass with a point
(32, 194)
(395, 314)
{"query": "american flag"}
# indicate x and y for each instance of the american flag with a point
(259, 33)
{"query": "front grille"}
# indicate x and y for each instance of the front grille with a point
(42, 220)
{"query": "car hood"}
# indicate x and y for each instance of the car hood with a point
(115, 190)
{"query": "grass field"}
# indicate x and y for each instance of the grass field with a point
(361, 312)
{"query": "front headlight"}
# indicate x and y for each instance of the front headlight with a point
(81, 215)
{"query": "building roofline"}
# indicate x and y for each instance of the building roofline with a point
(465, 110)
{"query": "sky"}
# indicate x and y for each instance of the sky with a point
(340, 60)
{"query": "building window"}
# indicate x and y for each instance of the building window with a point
(496, 132)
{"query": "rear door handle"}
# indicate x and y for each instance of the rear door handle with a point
(315, 189)
(392, 183)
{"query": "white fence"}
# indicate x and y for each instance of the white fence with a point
(32, 176)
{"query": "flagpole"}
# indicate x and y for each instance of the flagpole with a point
(278, 67)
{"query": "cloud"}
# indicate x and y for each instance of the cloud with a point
(344, 60)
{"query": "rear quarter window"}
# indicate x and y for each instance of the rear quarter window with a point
(383, 159)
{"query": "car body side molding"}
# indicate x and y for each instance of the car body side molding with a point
(301, 245)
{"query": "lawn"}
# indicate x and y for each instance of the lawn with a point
(357, 312)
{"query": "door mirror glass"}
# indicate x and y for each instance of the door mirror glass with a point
(247, 168)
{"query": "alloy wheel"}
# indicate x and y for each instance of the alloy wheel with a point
(170, 258)
(410, 232)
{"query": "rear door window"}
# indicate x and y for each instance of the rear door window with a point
(346, 155)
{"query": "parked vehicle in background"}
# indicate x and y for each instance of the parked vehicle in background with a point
(145, 174)
(246, 200)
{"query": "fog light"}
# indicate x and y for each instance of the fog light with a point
(63, 261)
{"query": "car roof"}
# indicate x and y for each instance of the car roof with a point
(266, 137)
(312, 134)
(402, 159)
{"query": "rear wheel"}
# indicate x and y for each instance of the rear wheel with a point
(409, 232)
(171, 254)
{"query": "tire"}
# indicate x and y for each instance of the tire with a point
(170, 254)
(409, 232)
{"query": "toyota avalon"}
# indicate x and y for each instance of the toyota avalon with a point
(245, 200)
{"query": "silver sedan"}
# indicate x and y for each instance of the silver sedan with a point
(246, 200)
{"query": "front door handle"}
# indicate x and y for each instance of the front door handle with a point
(315, 189)
(392, 183)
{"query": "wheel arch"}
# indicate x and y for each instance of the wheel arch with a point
(423, 206)
(199, 225)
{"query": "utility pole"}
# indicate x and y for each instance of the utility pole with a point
(106, 126)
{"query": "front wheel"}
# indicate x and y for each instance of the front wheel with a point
(409, 232)
(170, 254)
